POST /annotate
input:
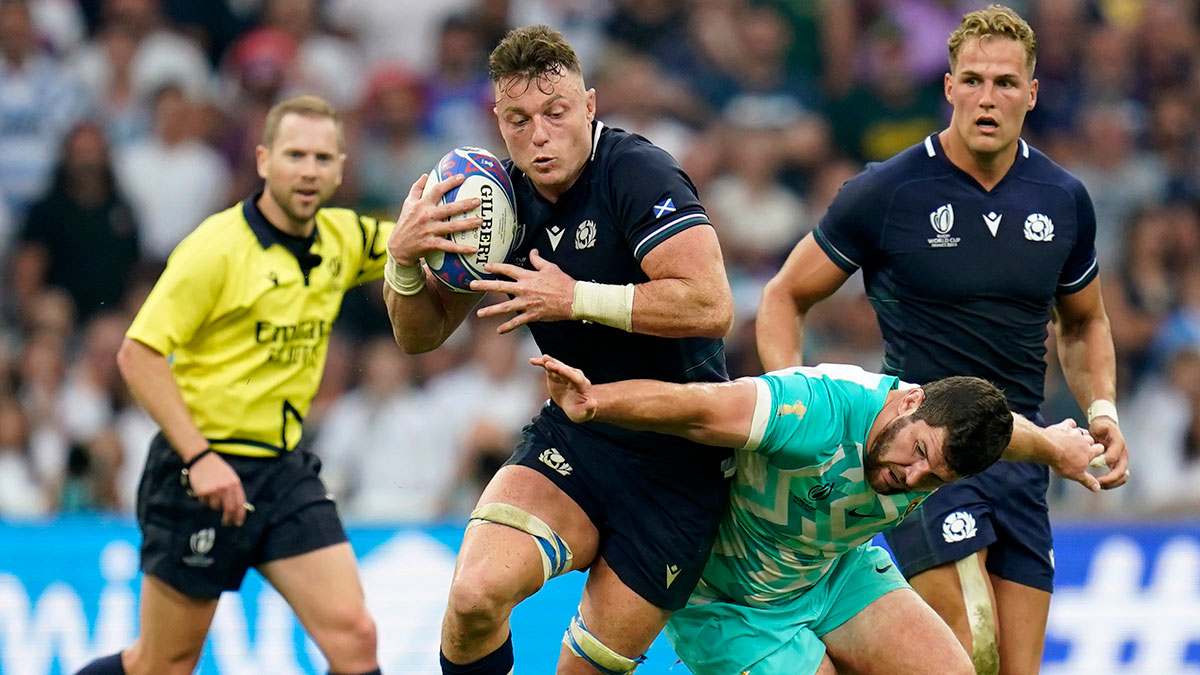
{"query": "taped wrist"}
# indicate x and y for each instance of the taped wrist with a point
(403, 279)
(609, 304)
(1102, 407)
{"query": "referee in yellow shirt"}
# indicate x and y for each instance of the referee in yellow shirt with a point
(226, 355)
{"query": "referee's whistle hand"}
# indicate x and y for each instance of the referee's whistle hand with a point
(217, 486)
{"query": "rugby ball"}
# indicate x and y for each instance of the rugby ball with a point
(499, 233)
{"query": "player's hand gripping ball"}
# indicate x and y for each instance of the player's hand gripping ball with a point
(487, 180)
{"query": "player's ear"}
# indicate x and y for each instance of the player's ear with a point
(591, 104)
(1033, 91)
(911, 400)
(947, 84)
(262, 156)
(341, 167)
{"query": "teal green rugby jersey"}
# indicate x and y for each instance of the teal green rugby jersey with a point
(800, 498)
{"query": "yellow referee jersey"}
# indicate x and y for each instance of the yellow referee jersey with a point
(246, 329)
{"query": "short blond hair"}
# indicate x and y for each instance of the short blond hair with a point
(305, 104)
(998, 21)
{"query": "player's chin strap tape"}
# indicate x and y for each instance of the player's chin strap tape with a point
(556, 555)
(980, 617)
(589, 648)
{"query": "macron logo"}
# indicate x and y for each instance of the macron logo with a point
(664, 207)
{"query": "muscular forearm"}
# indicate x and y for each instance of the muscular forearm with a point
(422, 322)
(779, 329)
(711, 413)
(150, 379)
(678, 308)
(1029, 443)
(1085, 350)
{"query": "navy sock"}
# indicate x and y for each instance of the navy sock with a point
(369, 672)
(105, 665)
(499, 662)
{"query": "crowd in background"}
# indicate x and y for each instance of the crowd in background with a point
(123, 123)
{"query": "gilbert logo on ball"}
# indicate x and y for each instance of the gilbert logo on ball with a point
(499, 233)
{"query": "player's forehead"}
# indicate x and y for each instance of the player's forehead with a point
(530, 94)
(992, 55)
(312, 133)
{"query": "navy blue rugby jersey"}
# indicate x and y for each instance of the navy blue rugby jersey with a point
(631, 197)
(963, 280)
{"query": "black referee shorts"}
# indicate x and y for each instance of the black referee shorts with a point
(184, 543)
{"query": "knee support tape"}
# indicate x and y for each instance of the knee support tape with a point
(589, 648)
(556, 555)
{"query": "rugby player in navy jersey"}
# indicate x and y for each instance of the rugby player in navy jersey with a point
(969, 243)
(619, 272)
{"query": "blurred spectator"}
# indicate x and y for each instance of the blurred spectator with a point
(162, 56)
(1120, 176)
(395, 32)
(640, 98)
(580, 21)
(458, 91)
(757, 218)
(325, 64)
(894, 109)
(105, 64)
(82, 235)
(387, 452)
(1163, 422)
(393, 150)
(21, 494)
(39, 102)
(172, 178)
(482, 405)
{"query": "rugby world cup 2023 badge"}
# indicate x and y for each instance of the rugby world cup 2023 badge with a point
(201, 543)
(942, 219)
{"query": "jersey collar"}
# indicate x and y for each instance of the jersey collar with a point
(259, 225)
(934, 149)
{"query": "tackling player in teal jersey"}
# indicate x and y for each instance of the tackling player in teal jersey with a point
(827, 458)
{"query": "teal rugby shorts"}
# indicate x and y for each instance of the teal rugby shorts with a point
(720, 638)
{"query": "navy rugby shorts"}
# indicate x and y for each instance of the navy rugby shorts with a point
(657, 516)
(184, 543)
(1002, 509)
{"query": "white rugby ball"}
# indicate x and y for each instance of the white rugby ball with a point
(499, 233)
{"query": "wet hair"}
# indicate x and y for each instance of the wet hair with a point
(305, 104)
(998, 21)
(530, 54)
(976, 418)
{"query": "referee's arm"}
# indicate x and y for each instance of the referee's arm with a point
(149, 377)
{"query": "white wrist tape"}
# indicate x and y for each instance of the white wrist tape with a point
(609, 304)
(403, 279)
(1102, 406)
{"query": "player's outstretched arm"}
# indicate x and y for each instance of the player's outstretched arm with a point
(1065, 447)
(424, 313)
(149, 377)
(712, 413)
(807, 277)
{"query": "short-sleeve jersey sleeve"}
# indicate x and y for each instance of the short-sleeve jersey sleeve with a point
(653, 198)
(183, 296)
(375, 235)
(797, 421)
(850, 230)
(1081, 266)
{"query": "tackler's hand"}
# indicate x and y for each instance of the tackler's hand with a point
(569, 388)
